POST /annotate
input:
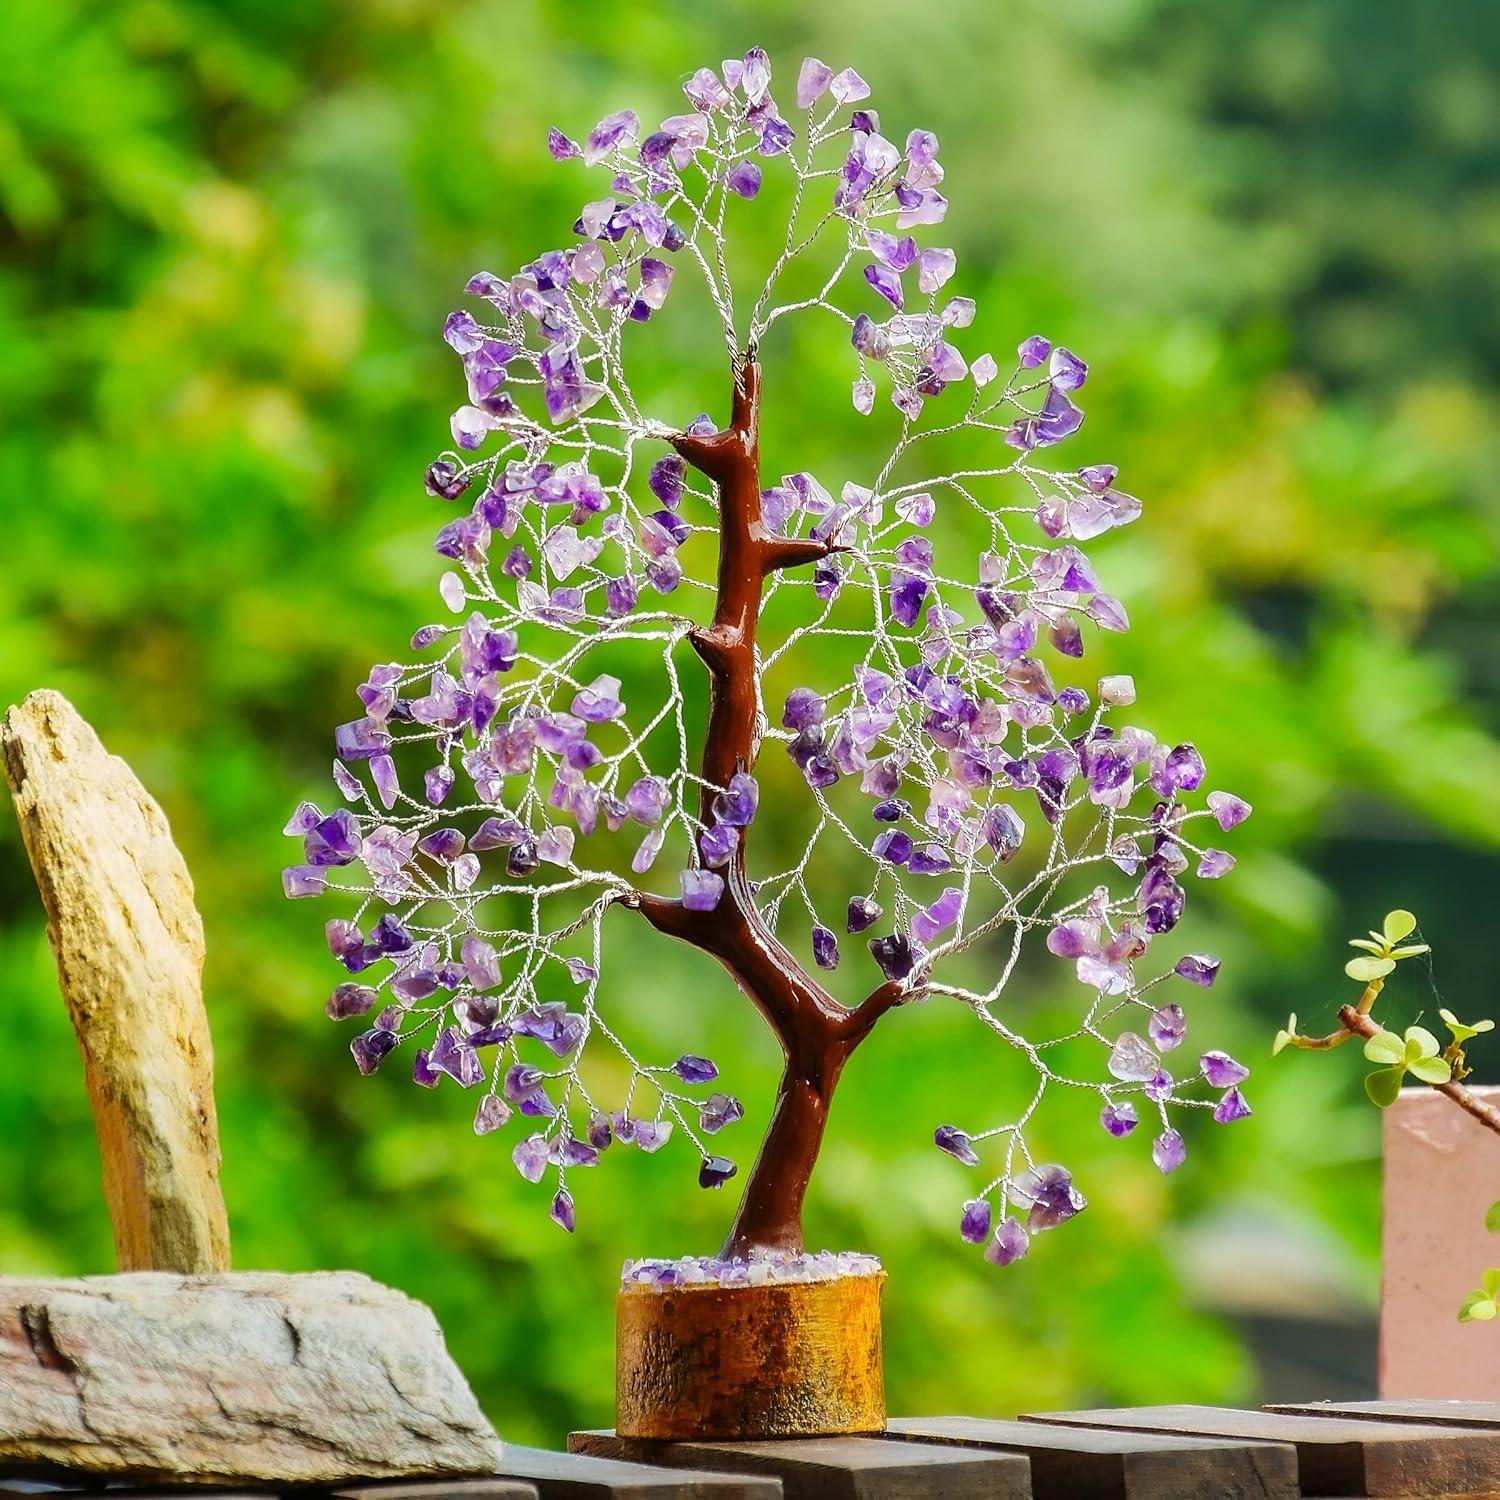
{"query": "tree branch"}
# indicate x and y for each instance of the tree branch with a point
(1358, 1022)
(856, 1023)
(792, 552)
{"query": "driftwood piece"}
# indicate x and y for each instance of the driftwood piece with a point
(129, 948)
(296, 1379)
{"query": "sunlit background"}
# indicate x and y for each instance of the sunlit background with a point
(229, 232)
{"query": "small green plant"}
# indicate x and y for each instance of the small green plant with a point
(1416, 1052)
(1461, 1034)
(1483, 1304)
(1383, 950)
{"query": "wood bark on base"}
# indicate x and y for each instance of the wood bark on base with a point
(785, 1359)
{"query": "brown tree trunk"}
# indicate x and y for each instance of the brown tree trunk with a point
(770, 1213)
(815, 1031)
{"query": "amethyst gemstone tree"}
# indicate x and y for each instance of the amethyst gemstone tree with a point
(505, 802)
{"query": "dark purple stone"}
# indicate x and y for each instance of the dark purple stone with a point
(665, 479)
(350, 1000)
(825, 947)
(974, 1227)
(695, 1069)
(370, 1048)
(893, 954)
(715, 1171)
(951, 1139)
(929, 860)
(389, 935)
(719, 1110)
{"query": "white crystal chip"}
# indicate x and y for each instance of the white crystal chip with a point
(759, 1269)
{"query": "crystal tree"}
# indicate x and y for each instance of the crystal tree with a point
(975, 801)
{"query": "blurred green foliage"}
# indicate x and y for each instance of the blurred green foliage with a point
(229, 230)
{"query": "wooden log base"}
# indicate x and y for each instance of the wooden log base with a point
(794, 1359)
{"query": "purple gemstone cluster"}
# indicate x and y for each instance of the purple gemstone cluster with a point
(759, 1268)
(991, 798)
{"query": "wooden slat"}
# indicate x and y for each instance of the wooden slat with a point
(1084, 1464)
(490, 1488)
(59, 1484)
(837, 1468)
(1335, 1456)
(573, 1476)
(1440, 1413)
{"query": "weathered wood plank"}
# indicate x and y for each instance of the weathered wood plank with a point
(1335, 1456)
(1095, 1464)
(835, 1468)
(495, 1488)
(129, 948)
(1440, 1413)
(59, 1485)
(575, 1476)
(86, 1487)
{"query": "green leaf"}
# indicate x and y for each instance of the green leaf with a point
(1410, 951)
(1378, 947)
(1432, 1070)
(1383, 1086)
(1461, 1032)
(1367, 970)
(1385, 1047)
(1285, 1036)
(1492, 1218)
(1420, 1042)
(1398, 924)
(1477, 1308)
(1491, 1280)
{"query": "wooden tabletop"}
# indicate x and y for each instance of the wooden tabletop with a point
(1344, 1449)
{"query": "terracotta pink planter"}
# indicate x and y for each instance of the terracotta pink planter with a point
(1442, 1171)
